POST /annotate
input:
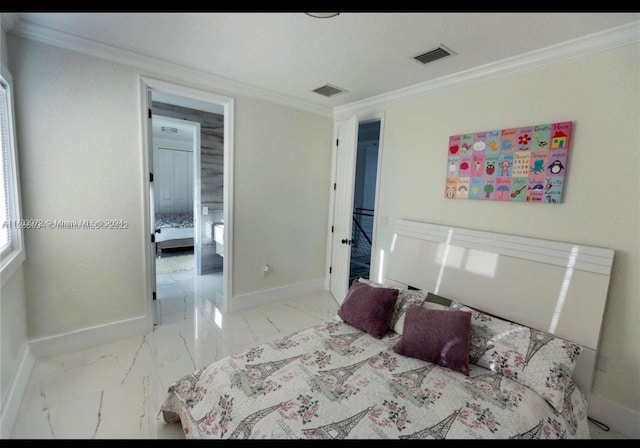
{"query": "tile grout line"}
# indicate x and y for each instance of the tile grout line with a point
(135, 357)
(46, 408)
(95, 431)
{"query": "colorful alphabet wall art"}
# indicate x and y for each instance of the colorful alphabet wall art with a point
(525, 164)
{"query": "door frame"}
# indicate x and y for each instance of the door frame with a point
(332, 200)
(147, 84)
(196, 189)
(365, 118)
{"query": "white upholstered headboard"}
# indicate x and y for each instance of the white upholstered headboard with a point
(560, 288)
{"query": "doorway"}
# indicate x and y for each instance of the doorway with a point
(357, 157)
(189, 157)
(364, 199)
(176, 157)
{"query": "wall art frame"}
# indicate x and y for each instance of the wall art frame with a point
(524, 164)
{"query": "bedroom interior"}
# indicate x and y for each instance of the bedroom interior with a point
(174, 185)
(474, 319)
(211, 165)
(453, 262)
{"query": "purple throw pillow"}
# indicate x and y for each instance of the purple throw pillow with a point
(440, 336)
(369, 309)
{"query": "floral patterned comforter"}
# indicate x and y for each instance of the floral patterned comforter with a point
(332, 381)
(174, 220)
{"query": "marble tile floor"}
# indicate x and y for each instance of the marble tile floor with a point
(115, 390)
(176, 292)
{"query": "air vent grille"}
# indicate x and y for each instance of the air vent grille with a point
(328, 90)
(433, 55)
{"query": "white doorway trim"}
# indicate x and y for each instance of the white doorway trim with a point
(147, 84)
(334, 157)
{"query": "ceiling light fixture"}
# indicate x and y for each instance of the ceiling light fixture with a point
(168, 130)
(322, 15)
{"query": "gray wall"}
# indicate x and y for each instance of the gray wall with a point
(4, 54)
(366, 165)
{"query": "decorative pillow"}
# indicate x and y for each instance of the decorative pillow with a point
(406, 298)
(535, 359)
(440, 336)
(369, 309)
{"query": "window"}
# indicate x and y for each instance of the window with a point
(5, 235)
(11, 248)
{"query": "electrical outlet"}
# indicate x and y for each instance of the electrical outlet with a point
(205, 210)
(266, 270)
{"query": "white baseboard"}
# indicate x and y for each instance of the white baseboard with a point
(13, 401)
(620, 419)
(266, 296)
(88, 337)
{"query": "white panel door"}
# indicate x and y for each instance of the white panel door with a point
(181, 189)
(343, 207)
(164, 181)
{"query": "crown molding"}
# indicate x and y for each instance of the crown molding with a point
(604, 40)
(39, 33)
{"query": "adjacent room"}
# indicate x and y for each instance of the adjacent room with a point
(295, 225)
(188, 203)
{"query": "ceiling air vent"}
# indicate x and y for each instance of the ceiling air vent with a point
(328, 90)
(434, 55)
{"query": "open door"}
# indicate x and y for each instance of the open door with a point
(343, 207)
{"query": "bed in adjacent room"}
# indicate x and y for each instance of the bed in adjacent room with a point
(174, 231)
(497, 338)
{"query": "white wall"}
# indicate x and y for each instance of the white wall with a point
(281, 192)
(601, 94)
(78, 122)
(13, 322)
(79, 132)
(13, 330)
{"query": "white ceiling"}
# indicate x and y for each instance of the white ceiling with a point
(367, 54)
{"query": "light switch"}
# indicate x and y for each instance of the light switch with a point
(205, 210)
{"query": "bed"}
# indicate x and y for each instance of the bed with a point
(175, 231)
(521, 372)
